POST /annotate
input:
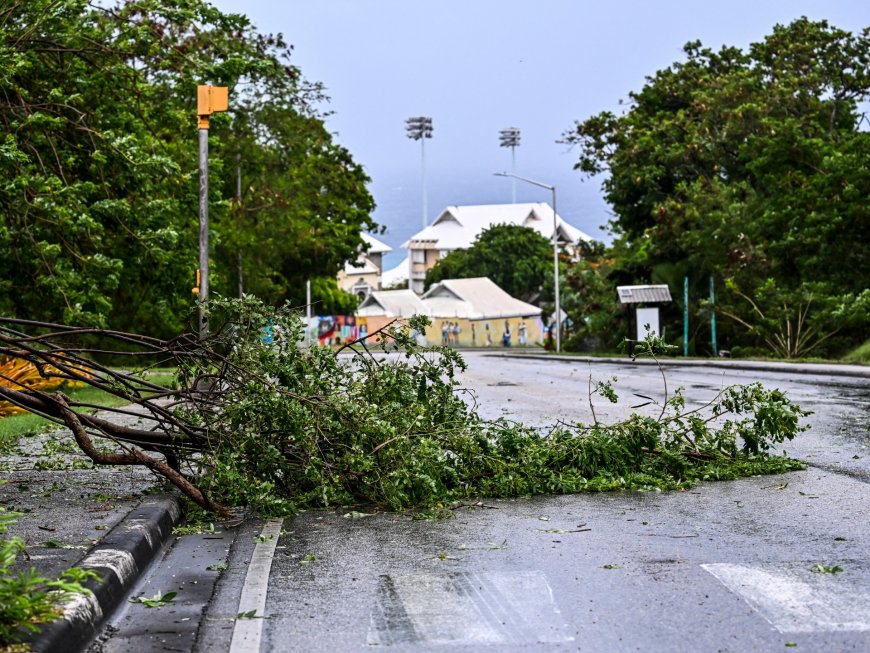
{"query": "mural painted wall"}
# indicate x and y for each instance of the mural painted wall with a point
(510, 332)
(338, 329)
(453, 332)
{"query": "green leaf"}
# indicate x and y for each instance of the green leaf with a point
(157, 601)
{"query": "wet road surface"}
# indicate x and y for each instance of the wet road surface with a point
(724, 567)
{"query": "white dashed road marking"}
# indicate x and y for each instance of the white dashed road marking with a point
(796, 600)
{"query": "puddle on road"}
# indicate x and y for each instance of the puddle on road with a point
(466, 608)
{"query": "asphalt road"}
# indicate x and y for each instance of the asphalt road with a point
(724, 567)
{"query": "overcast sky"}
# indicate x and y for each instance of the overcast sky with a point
(477, 66)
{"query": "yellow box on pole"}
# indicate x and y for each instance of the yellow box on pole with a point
(210, 99)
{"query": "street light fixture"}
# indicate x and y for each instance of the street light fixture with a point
(510, 137)
(419, 129)
(555, 251)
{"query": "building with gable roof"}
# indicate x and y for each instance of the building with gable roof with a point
(363, 275)
(392, 304)
(457, 227)
(464, 312)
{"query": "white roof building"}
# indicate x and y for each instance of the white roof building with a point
(396, 276)
(392, 303)
(363, 275)
(457, 227)
(375, 246)
(472, 299)
(478, 298)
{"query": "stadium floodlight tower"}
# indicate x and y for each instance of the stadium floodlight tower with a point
(419, 129)
(510, 137)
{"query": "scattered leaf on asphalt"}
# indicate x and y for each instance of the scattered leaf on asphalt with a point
(54, 544)
(308, 559)
(218, 566)
(610, 566)
(250, 614)
(196, 528)
(156, 601)
(839, 539)
(826, 569)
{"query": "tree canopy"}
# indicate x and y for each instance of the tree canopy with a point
(753, 166)
(98, 205)
(518, 259)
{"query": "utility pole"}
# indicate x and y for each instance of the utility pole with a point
(419, 129)
(239, 207)
(558, 311)
(209, 100)
(713, 318)
(308, 313)
(685, 316)
(510, 137)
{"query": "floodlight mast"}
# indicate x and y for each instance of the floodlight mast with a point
(419, 128)
(510, 137)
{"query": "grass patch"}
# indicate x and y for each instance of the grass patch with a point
(17, 425)
(859, 355)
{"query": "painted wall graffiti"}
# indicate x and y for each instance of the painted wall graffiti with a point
(511, 332)
(338, 329)
(529, 331)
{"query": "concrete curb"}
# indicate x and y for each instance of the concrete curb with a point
(832, 369)
(119, 560)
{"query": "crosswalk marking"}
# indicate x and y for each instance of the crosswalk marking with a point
(796, 600)
(466, 608)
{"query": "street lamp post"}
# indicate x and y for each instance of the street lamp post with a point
(419, 129)
(510, 137)
(558, 311)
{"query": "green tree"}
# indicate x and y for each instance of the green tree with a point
(518, 259)
(588, 296)
(749, 165)
(98, 209)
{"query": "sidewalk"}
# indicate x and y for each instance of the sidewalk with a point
(113, 520)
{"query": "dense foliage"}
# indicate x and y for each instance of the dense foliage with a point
(518, 259)
(393, 427)
(752, 166)
(99, 200)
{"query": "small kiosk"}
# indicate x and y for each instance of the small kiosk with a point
(647, 301)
